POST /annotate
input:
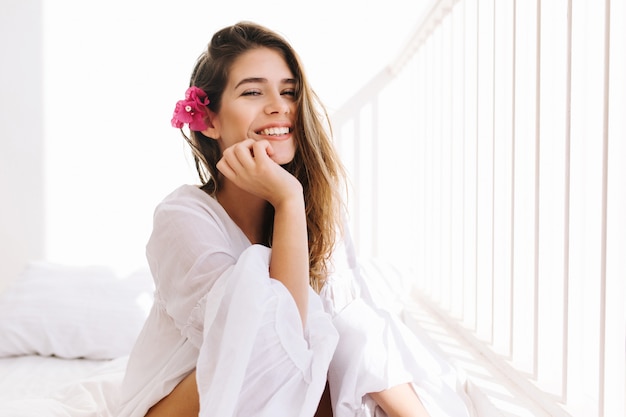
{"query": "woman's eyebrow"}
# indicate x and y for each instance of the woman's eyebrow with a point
(252, 80)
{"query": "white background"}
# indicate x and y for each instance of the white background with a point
(88, 92)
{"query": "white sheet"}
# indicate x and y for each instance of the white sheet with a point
(52, 387)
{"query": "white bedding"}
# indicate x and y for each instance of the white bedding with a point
(48, 386)
(65, 333)
(24, 377)
(34, 385)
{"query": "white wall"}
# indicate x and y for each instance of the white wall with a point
(21, 125)
(88, 89)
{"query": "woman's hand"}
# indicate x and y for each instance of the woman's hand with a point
(248, 164)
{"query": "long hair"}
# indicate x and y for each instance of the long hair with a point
(315, 164)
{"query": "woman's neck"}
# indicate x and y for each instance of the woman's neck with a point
(246, 210)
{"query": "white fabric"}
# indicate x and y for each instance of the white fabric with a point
(254, 360)
(376, 351)
(35, 386)
(217, 309)
(34, 376)
(214, 295)
(72, 312)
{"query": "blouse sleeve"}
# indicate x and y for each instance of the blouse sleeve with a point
(190, 247)
(256, 359)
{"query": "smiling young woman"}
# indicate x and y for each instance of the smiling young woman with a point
(258, 308)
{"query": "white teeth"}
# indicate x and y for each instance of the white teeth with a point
(275, 131)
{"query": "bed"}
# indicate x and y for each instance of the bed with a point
(66, 332)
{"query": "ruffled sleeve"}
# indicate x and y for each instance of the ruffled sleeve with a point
(256, 359)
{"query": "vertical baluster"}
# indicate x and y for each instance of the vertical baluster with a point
(615, 289)
(603, 231)
(566, 205)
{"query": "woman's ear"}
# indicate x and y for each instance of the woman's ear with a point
(212, 121)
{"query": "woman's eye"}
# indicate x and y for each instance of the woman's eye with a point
(251, 93)
(289, 92)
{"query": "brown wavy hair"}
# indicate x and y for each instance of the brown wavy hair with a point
(316, 163)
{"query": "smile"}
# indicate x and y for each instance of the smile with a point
(274, 131)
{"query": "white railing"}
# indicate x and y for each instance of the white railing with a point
(490, 158)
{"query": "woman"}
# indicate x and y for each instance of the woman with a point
(238, 328)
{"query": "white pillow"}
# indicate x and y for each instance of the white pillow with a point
(73, 312)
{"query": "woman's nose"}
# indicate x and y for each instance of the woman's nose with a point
(278, 103)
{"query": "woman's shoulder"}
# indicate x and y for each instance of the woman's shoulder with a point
(188, 208)
(186, 198)
(187, 192)
(188, 212)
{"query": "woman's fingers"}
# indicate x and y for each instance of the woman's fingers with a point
(224, 168)
(248, 164)
(247, 153)
(243, 152)
(262, 148)
(233, 159)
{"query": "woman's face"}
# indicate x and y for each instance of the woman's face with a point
(258, 103)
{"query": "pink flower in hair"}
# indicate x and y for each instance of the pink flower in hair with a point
(191, 110)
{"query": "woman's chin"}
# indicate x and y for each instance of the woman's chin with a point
(282, 159)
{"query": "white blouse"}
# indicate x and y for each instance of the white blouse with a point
(218, 311)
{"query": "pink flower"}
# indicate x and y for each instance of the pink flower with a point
(191, 110)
